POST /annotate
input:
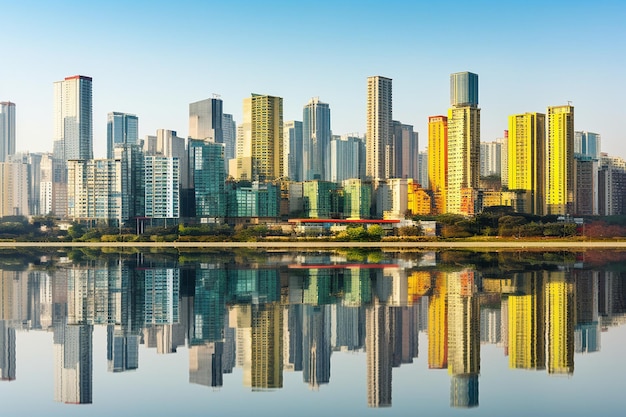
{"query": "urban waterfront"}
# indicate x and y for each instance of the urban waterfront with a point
(312, 332)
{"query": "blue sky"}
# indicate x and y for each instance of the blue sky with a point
(154, 58)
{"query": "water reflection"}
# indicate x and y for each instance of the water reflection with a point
(271, 313)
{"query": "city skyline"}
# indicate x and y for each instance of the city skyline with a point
(159, 94)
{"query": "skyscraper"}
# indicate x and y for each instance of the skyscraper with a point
(438, 161)
(405, 150)
(379, 128)
(526, 159)
(73, 132)
(207, 177)
(464, 89)
(205, 120)
(260, 145)
(463, 144)
(73, 129)
(122, 128)
(316, 140)
(7, 130)
(292, 150)
(560, 160)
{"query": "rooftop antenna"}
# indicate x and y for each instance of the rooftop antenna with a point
(215, 95)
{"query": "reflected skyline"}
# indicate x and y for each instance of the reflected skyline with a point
(289, 312)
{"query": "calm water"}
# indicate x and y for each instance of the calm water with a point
(322, 333)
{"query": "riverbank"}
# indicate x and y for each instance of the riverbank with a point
(303, 245)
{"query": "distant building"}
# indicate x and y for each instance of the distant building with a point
(7, 130)
(205, 120)
(229, 128)
(379, 128)
(316, 137)
(405, 151)
(292, 150)
(162, 190)
(122, 128)
(73, 132)
(347, 158)
(208, 178)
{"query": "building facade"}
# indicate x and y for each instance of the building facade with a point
(526, 160)
(7, 130)
(560, 160)
(73, 132)
(122, 128)
(438, 161)
(205, 120)
(292, 150)
(379, 128)
(316, 137)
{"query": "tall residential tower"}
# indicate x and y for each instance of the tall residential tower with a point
(560, 160)
(463, 143)
(7, 130)
(379, 133)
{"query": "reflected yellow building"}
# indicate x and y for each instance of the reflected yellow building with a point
(463, 338)
(438, 324)
(560, 319)
(527, 324)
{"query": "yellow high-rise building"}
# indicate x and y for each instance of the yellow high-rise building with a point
(260, 142)
(526, 159)
(463, 158)
(560, 160)
(438, 160)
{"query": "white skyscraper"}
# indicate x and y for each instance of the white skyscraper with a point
(379, 128)
(73, 132)
(7, 130)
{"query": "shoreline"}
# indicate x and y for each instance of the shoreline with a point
(545, 245)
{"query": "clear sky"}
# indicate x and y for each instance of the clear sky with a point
(153, 58)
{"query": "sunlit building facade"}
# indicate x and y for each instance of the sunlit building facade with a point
(560, 160)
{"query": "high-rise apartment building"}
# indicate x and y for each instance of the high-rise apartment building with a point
(405, 150)
(527, 160)
(490, 158)
(463, 144)
(205, 120)
(422, 172)
(292, 150)
(379, 133)
(122, 128)
(162, 187)
(560, 160)
(438, 161)
(7, 130)
(73, 132)
(316, 137)
(14, 189)
(347, 158)
(206, 169)
(73, 117)
(260, 144)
